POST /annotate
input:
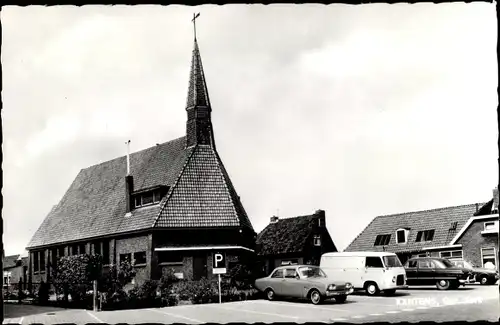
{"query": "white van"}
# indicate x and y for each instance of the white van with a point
(370, 271)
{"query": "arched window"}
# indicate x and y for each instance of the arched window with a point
(402, 235)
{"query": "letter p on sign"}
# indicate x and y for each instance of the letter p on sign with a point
(219, 263)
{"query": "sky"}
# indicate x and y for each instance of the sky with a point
(359, 110)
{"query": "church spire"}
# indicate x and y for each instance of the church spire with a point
(199, 124)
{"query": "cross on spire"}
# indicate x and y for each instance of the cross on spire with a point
(194, 23)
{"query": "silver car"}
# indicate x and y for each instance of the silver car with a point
(303, 281)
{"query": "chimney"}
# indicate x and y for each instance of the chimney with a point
(274, 219)
(320, 214)
(495, 199)
(129, 183)
(477, 207)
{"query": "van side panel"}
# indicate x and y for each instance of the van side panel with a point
(344, 269)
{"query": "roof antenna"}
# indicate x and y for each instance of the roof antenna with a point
(128, 157)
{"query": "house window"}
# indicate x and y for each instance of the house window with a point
(401, 235)
(382, 240)
(453, 225)
(170, 258)
(425, 235)
(105, 252)
(452, 254)
(147, 198)
(5, 280)
(374, 261)
(139, 258)
(125, 257)
(60, 252)
(317, 240)
(488, 257)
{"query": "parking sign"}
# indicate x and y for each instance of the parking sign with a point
(219, 263)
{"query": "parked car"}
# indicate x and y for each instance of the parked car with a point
(481, 275)
(435, 271)
(303, 282)
(369, 271)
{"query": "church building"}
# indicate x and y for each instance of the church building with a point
(170, 206)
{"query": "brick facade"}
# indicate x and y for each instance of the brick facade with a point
(472, 241)
(131, 245)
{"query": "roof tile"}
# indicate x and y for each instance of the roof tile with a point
(438, 219)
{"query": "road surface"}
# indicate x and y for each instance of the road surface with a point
(471, 303)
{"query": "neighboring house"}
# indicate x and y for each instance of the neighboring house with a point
(15, 271)
(166, 207)
(467, 232)
(298, 240)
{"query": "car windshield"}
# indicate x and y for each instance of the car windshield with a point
(443, 264)
(392, 261)
(312, 272)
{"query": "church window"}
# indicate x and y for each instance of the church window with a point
(139, 258)
(105, 252)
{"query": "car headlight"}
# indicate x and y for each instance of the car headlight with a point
(393, 279)
(331, 287)
(348, 285)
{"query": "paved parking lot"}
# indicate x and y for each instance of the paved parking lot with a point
(422, 304)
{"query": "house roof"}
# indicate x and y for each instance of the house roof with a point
(200, 193)
(94, 204)
(286, 236)
(10, 261)
(438, 219)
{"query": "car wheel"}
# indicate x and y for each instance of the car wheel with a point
(371, 288)
(443, 284)
(340, 299)
(483, 280)
(270, 295)
(315, 297)
(390, 292)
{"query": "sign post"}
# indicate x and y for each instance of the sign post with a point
(219, 267)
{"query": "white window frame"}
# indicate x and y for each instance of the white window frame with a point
(406, 231)
(451, 258)
(494, 254)
(489, 223)
(317, 240)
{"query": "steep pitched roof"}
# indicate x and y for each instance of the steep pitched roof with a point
(286, 235)
(94, 205)
(197, 91)
(10, 261)
(203, 195)
(438, 219)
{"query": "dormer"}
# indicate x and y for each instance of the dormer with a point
(149, 196)
(402, 235)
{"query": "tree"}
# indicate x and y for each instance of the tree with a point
(73, 275)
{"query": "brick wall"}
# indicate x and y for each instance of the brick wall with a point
(133, 245)
(472, 241)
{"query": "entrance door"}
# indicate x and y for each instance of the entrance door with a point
(199, 266)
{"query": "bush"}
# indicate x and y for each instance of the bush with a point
(73, 275)
(242, 276)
